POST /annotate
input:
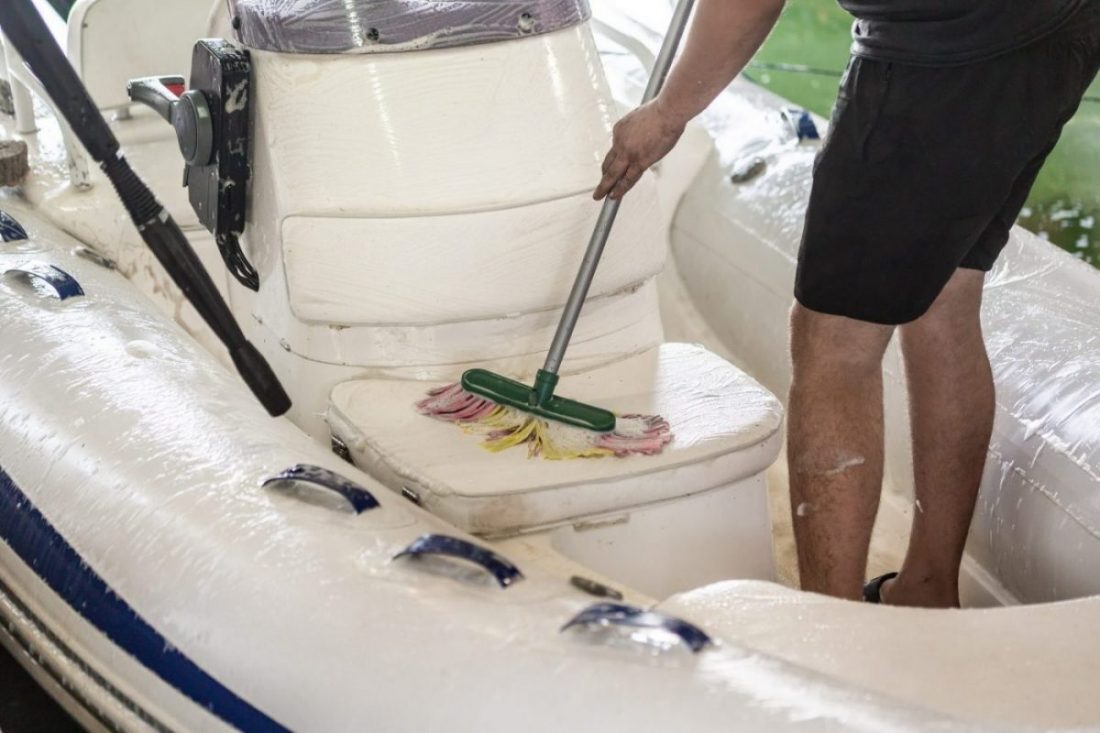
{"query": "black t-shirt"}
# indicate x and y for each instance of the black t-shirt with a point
(948, 32)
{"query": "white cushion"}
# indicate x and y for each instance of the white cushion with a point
(725, 426)
(462, 267)
(445, 131)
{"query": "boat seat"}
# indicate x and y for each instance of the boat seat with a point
(725, 426)
(1021, 666)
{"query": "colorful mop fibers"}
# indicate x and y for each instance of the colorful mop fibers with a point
(506, 427)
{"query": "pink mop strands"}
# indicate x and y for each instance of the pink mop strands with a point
(506, 427)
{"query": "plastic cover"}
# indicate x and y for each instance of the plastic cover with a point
(377, 26)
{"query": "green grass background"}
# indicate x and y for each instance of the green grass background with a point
(1065, 203)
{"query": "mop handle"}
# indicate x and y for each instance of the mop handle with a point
(611, 206)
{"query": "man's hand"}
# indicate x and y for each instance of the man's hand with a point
(724, 35)
(639, 140)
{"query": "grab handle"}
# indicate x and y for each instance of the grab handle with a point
(10, 229)
(360, 499)
(440, 544)
(64, 285)
(620, 614)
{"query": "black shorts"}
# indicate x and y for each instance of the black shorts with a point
(925, 170)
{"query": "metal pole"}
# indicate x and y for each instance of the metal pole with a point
(611, 207)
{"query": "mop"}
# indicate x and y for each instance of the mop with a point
(509, 413)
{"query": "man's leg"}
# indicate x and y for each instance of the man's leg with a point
(834, 446)
(951, 408)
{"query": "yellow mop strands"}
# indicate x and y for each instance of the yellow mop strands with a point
(506, 427)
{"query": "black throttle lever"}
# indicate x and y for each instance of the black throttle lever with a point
(188, 112)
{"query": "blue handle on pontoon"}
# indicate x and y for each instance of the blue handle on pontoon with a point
(801, 123)
(360, 499)
(440, 544)
(620, 614)
(63, 284)
(10, 229)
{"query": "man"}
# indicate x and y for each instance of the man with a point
(944, 117)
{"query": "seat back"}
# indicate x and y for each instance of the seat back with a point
(407, 205)
(113, 41)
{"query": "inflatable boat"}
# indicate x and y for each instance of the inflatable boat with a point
(418, 179)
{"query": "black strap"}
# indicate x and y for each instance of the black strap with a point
(872, 590)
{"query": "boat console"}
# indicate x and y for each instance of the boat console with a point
(421, 198)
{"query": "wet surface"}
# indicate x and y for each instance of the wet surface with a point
(24, 706)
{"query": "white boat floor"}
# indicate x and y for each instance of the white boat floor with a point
(683, 322)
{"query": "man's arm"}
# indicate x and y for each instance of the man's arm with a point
(723, 38)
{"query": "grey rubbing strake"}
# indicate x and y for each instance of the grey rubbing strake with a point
(378, 26)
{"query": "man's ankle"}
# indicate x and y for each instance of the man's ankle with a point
(921, 590)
